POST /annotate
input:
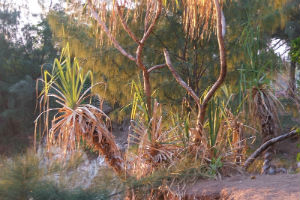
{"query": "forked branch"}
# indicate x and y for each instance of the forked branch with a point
(223, 70)
(157, 14)
(146, 35)
(125, 26)
(222, 52)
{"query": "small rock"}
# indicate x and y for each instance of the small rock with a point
(271, 170)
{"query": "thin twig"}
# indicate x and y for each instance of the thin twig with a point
(139, 50)
(108, 33)
(125, 26)
(179, 79)
(157, 14)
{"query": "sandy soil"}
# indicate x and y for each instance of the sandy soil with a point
(265, 187)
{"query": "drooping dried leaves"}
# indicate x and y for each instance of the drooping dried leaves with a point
(156, 146)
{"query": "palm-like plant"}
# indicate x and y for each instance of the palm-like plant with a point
(74, 120)
(155, 145)
(263, 104)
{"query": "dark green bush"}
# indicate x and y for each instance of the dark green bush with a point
(51, 191)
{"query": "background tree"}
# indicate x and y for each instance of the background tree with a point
(23, 50)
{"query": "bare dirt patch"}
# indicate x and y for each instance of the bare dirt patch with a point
(261, 187)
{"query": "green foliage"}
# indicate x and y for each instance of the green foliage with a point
(67, 79)
(214, 120)
(104, 61)
(214, 166)
(295, 50)
(139, 106)
(74, 118)
(23, 51)
(19, 176)
(51, 191)
(222, 104)
(117, 71)
(298, 157)
(182, 122)
(260, 62)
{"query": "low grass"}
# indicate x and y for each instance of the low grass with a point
(26, 177)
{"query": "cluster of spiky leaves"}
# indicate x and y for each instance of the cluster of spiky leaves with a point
(265, 106)
(75, 119)
(155, 146)
(160, 144)
(224, 137)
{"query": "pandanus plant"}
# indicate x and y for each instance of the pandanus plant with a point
(74, 121)
(265, 106)
(155, 145)
(258, 89)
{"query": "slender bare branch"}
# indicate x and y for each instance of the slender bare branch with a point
(157, 14)
(125, 26)
(267, 144)
(146, 35)
(222, 52)
(179, 79)
(156, 67)
(108, 33)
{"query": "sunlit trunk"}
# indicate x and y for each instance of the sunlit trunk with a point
(108, 148)
(223, 70)
(200, 123)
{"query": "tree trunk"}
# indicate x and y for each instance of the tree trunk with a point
(292, 80)
(108, 148)
(223, 70)
(200, 123)
(147, 90)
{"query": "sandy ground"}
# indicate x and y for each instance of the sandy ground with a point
(261, 187)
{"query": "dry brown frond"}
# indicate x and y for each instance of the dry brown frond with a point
(265, 106)
(235, 138)
(155, 146)
(85, 124)
(199, 17)
(116, 15)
